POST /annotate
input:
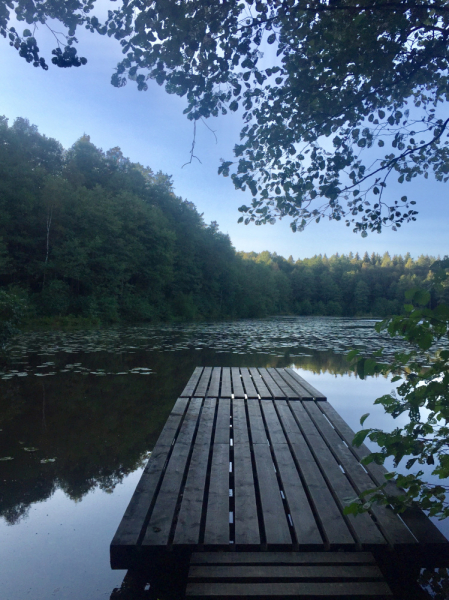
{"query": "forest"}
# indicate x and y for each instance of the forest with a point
(88, 234)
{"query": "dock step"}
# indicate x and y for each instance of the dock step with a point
(304, 575)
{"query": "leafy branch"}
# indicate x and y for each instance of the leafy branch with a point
(422, 395)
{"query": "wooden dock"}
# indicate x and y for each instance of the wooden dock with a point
(257, 461)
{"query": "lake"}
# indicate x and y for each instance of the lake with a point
(81, 411)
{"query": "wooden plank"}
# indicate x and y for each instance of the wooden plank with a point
(416, 520)
(273, 513)
(370, 589)
(226, 390)
(239, 423)
(262, 389)
(131, 525)
(237, 383)
(217, 517)
(271, 384)
(245, 507)
(304, 524)
(362, 526)
(287, 390)
(250, 390)
(223, 423)
(295, 385)
(309, 387)
(214, 386)
(214, 558)
(274, 426)
(246, 521)
(189, 518)
(285, 572)
(256, 424)
(160, 523)
(203, 383)
(392, 527)
(191, 384)
(332, 521)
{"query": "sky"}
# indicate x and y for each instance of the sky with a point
(150, 128)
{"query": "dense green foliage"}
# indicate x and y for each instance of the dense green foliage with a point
(13, 310)
(422, 396)
(88, 233)
(349, 93)
(351, 285)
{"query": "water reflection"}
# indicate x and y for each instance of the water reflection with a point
(80, 413)
(298, 339)
(82, 410)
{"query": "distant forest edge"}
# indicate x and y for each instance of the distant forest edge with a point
(89, 234)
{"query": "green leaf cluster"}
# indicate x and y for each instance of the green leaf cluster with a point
(422, 397)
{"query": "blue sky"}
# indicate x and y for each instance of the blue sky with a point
(150, 128)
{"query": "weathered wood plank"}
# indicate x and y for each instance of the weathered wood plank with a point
(203, 383)
(274, 426)
(214, 386)
(308, 386)
(304, 524)
(223, 421)
(298, 558)
(245, 508)
(416, 520)
(239, 422)
(250, 390)
(189, 518)
(372, 589)
(256, 424)
(392, 527)
(301, 392)
(262, 389)
(226, 389)
(131, 525)
(332, 521)
(160, 523)
(271, 384)
(217, 516)
(283, 572)
(273, 513)
(246, 522)
(362, 526)
(191, 384)
(287, 390)
(237, 383)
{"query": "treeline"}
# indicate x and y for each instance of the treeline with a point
(351, 285)
(90, 234)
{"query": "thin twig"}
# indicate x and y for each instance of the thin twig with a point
(192, 155)
(211, 130)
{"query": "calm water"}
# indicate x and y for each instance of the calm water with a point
(80, 413)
